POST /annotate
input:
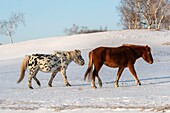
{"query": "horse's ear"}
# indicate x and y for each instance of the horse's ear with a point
(55, 52)
(77, 51)
(148, 48)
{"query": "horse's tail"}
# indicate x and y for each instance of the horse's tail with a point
(90, 67)
(23, 68)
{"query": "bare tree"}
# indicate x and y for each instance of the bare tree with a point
(8, 28)
(75, 29)
(166, 22)
(136, 14)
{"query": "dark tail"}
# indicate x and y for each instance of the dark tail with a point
(90, 67)
(23, 68)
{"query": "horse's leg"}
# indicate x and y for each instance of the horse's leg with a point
(29, 81)
(99, 81)
(33, 73)
(120, 70)
(52, 77)
(63, 72)
(35, 78)
(132, 70)
(93, 80)
(95, 74)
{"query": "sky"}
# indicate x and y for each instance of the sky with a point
(49, 18)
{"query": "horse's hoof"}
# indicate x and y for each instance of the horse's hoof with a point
(39, 84)
(49, 85)
(31, 87)
(139, 84)
(100, 85)
(116, 85)
(94, 87)
(68, 84)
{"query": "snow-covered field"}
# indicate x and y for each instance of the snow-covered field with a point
(152, 96)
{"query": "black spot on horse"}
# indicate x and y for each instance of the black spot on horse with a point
(31, 58)
(30, 63)
(59, 62)
(48, 60)
(53, 66)
(41, 64)
(35, 62)
(48, 69)
(55, 60)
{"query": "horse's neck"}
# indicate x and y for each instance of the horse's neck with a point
(138, 51)
(69, 57)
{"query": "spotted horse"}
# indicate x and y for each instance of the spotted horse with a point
(49, 63)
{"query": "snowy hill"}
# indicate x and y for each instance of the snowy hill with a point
(152, 96)
(85, 41)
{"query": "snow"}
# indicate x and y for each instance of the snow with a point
(152, 96)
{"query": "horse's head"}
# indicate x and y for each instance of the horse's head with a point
(77, 58)
(147, 56)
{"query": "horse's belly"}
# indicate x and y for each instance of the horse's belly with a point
(48, 68)
(113, 65)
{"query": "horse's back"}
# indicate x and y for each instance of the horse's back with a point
(98, 53)
(111, 51)
(114, 56)
(44, 62)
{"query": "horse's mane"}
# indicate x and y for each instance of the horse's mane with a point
(137, 46)
(138, 49)
(133, 45)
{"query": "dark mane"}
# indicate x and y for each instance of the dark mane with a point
(138, 49)
(136, 46)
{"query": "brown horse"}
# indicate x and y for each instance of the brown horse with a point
(116, 57)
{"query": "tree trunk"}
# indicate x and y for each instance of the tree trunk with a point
(11, 38)
(160, 21)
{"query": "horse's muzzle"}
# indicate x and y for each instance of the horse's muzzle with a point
(82, 63)
(150, 62)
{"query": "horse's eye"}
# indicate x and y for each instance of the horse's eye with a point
(79, 57)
